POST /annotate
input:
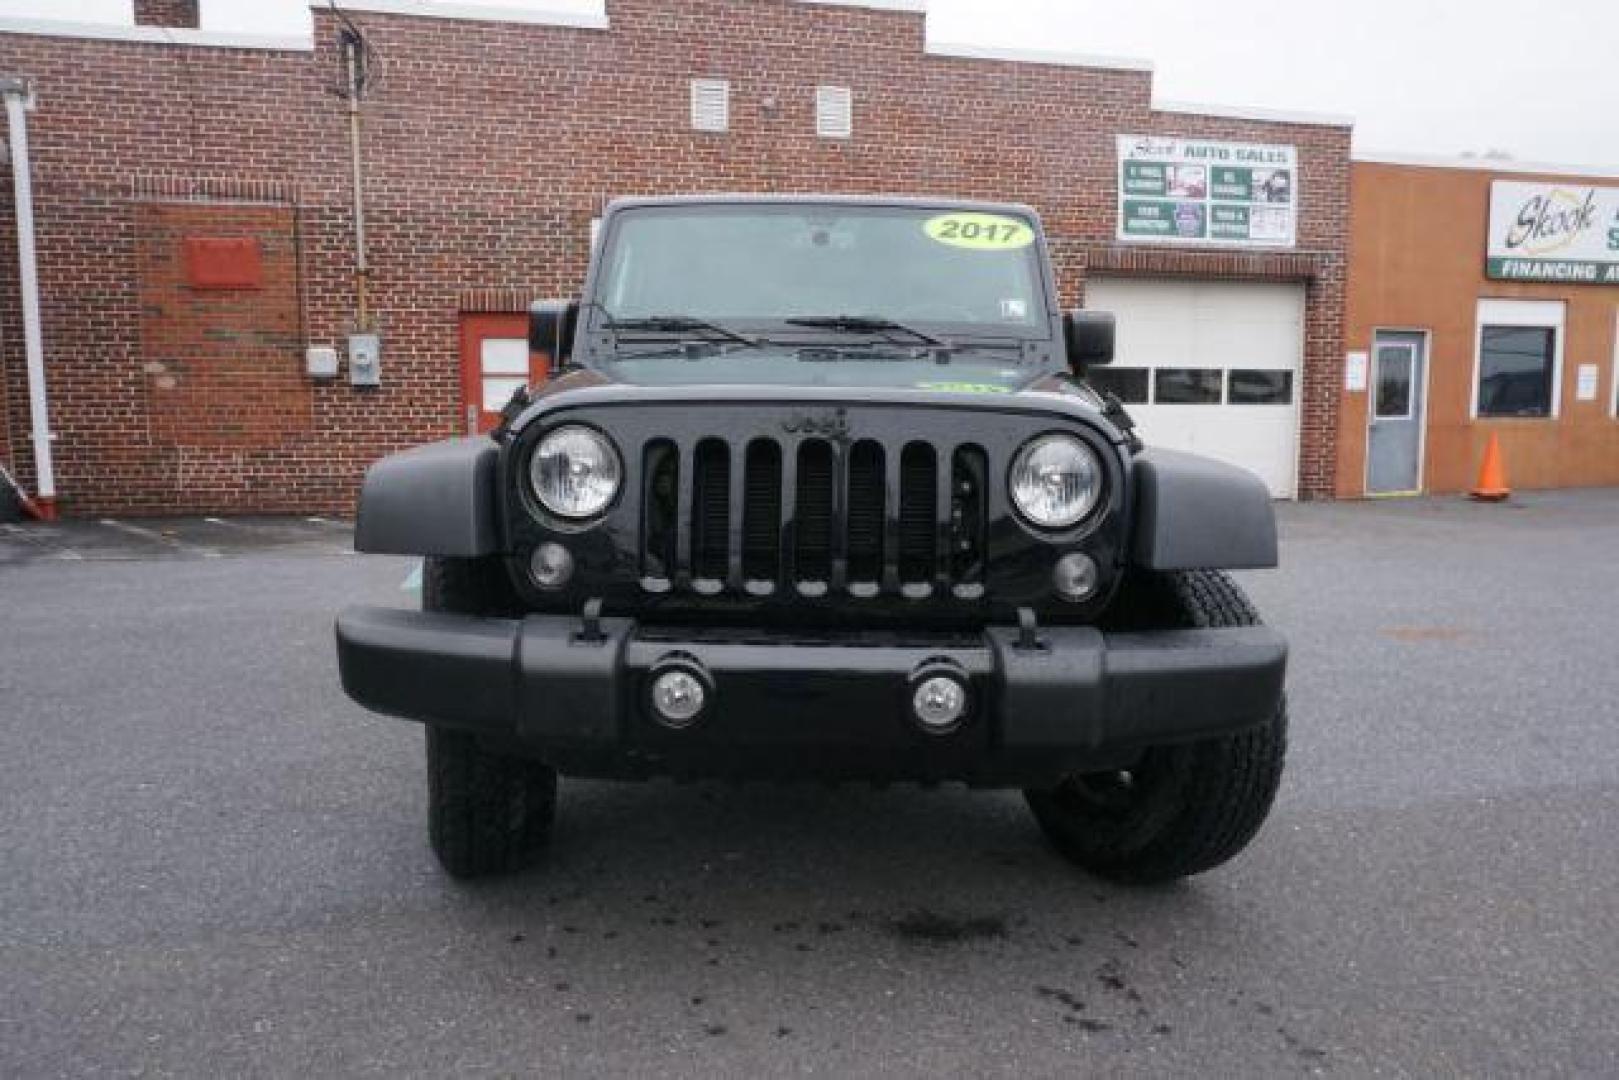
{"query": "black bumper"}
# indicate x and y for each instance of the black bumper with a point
(837, 705)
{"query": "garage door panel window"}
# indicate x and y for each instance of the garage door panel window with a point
(1128, 384)
(1187, 386)
(1515, 370)
(1259, 386)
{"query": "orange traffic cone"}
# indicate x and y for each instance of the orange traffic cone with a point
(1492, 475)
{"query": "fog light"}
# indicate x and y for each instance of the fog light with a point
(551, 566)
(678, 698)
(940, 702)
(1075, 577)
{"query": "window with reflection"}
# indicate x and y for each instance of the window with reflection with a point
(1515, 368)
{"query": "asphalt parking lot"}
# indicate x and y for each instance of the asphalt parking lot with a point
(214, 864)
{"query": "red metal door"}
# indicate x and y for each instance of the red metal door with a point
(495, 361)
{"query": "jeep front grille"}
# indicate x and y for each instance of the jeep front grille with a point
(813, 515)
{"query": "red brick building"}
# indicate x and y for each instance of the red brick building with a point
(196, 235)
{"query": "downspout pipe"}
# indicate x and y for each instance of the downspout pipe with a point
(353, 80)
(19, 99)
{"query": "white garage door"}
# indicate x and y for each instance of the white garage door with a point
(1210, 367)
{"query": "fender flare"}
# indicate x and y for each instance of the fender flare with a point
(438, 499)
(1194, 513)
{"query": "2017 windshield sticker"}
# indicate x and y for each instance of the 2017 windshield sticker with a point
(979, 232)
(965, 387)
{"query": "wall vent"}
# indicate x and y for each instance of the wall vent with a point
(834, 112)
(710, 105)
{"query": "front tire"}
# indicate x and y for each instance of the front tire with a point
(487, 812)
(1181, 809)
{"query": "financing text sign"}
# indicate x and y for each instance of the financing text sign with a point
(1553, 232)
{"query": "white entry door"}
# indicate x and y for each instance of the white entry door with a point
(1210, 367)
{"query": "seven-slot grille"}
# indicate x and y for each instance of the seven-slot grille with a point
(814, 516)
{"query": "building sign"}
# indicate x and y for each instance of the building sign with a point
(1194, 191)
(1553, 232)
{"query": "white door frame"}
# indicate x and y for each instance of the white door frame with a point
(1613, 372)
(1422, 422)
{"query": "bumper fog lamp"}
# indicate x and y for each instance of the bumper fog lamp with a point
(940, 702)
(678, 698)
(551, 566)
(1075, 577)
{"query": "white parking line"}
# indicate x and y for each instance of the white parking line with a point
(40, 536)
(157, 537)
(237, 525)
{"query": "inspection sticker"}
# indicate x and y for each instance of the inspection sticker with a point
(980, 232)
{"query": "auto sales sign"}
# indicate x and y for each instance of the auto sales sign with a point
(1553, 232)
(1198, 191)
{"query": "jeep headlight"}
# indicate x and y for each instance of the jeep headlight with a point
(1055, 481)
(575, 472)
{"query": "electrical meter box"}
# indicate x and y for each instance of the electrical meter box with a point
(321, 362)
(365, 359)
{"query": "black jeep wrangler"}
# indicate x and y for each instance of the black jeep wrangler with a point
(819, 489)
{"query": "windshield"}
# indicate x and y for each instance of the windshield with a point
(761, 265)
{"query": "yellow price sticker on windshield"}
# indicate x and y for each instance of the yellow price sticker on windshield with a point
(980, 232)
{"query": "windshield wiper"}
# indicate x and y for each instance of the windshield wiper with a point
(867, 324)
(879, 352)
(680, 324)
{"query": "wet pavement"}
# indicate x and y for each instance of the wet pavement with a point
(214, 864)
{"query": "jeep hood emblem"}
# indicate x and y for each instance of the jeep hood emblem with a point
(833, 423)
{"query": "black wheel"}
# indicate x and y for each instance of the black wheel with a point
(487, 812)
(1180, 809)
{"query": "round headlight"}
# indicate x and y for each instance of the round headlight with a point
(575, 472)
(1056, 480)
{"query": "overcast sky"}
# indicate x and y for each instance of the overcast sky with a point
(1535, 80)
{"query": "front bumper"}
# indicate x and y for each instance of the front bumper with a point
(1044, 702)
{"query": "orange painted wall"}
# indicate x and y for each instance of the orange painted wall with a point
(1416, 261)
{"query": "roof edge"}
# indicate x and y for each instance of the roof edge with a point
(1476, 164)
(918, 7)
(156, 35)
(470, 12)
(1256, 112)
(964, 51)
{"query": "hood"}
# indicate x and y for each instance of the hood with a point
(787, 378)
(989, 372)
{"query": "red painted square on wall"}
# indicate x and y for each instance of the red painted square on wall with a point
(223, 262)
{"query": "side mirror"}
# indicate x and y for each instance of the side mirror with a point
(551, 325)
(1090, 339)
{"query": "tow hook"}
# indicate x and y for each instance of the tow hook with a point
(1028, 632)
(590, 624)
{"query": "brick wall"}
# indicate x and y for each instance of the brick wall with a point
(489, 148)
(181, 14)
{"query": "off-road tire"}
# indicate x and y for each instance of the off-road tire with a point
(1185, 808)
(487, 812)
